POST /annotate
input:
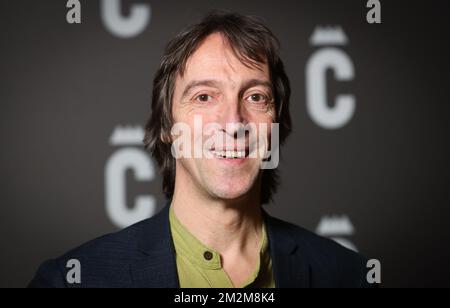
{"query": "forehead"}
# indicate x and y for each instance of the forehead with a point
(215, 59)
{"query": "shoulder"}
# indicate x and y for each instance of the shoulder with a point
(104, 261)
(329, 264)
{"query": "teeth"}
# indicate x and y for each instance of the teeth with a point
(229, 154)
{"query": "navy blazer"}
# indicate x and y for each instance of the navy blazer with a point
(143, 256)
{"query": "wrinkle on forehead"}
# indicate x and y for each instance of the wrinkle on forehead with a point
(231, 54)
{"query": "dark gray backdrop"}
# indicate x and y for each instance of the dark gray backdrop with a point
(378, 182)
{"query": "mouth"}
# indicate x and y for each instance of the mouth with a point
(230, 154)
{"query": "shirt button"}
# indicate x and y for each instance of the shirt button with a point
(208, 255)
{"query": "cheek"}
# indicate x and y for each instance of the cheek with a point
(264, 131)
(197, 123)
(262, 120)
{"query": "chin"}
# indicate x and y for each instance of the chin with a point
(232, 190)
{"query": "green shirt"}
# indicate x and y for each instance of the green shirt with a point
(199, 266)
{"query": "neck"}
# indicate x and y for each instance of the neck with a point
(227, 226)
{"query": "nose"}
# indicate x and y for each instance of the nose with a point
(232, 117)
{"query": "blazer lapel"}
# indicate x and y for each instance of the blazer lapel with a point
(290, 268)
(158, 269)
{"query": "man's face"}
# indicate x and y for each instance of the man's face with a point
(217, 88)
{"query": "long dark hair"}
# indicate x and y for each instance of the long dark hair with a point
(252, 42)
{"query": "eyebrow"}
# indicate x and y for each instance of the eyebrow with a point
(253, 83)
(216, 84)
(197, 83)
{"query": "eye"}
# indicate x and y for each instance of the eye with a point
(203, 98)
(258, 98)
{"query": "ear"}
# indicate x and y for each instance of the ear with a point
(165, 138)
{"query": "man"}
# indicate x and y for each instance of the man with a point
(224, 78)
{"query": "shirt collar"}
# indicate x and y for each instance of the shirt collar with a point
(199, 254)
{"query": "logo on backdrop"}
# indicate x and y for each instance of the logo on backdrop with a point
(129, 156)
(112, 18)
(337, 228)
(125, 26)
(329, 56)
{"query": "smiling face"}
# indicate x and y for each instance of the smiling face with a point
(218, 88)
